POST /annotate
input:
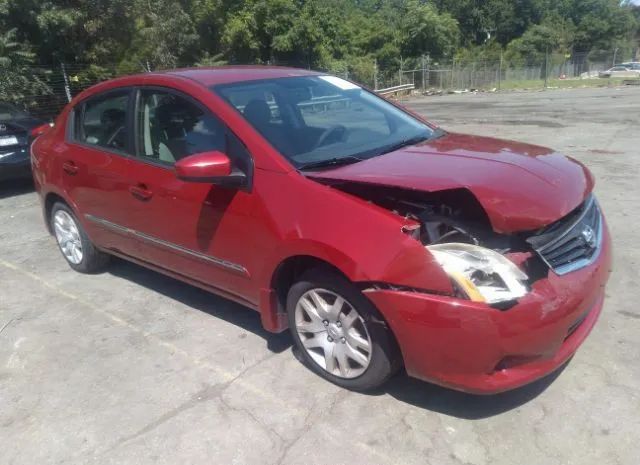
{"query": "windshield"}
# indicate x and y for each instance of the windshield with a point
(318, 121)
(8, 112)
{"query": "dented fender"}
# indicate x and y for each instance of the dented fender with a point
(388, 255)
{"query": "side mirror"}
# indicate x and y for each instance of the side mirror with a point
(39, 130)
(209, 167)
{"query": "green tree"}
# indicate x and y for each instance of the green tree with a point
(117, 36)
(427, 31)
(553, 35)
(19, 81)
(164, 37)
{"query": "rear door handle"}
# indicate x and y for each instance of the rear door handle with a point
(141, 192)
(70, 167)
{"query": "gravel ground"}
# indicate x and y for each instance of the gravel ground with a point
(132, 367)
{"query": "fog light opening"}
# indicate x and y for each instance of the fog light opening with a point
(514, 361)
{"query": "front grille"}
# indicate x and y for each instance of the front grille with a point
(574, 241)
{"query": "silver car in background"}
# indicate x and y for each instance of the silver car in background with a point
(625, 70)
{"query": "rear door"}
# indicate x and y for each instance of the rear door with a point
(197, 230)
(95, 166)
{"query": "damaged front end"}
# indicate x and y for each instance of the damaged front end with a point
(525, 255)
(485, 266)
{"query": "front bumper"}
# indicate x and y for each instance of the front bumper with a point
(15, 164)
(475, 348)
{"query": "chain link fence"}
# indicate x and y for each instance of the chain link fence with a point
(539, 71)
(52, 87)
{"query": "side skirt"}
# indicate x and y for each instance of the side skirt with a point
(185, 279)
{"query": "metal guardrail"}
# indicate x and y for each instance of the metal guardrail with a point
(395, 89)
(323, 103)
(315, 104)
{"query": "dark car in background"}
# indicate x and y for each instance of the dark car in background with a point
(18, 129)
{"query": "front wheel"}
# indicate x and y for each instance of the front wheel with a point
(339, 333)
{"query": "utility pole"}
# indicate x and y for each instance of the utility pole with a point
(473, 74)
(375, 74)
(428, 67)
(400, 72)
(67, 88)
(453, 71)
(546, 68)
(423, 73)
(500, 72)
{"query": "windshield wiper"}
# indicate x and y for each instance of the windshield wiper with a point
(402, 144)
(336, 161)
(398, 145)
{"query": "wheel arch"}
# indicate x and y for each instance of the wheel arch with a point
(292, 268)
(285, 274)
(273, 303)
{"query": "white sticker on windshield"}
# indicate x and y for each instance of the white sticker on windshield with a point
(340, 83)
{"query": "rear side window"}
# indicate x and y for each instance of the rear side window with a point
(102, 121)
(171, 127)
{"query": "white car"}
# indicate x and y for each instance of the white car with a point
(621, 71)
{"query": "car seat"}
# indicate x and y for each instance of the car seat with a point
(113, 123)
(258, 113)
(174, 122)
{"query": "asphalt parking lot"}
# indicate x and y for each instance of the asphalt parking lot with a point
(131, 367)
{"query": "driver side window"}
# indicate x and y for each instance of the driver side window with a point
(102, 121)
(171, 127)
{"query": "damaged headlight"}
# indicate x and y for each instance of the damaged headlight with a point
(482, 274)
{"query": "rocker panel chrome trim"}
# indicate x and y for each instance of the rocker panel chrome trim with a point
(169, 245)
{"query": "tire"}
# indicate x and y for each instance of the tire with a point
(333, 342)
(73, 242)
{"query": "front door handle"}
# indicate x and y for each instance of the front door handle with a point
(141, 192)
(70, 167)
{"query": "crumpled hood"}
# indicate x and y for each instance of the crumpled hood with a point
(521, 187)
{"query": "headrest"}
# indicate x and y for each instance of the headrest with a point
(112, 116)
(175, 114)
(257, 112)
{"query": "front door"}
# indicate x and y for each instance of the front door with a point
(95, 165)
(197, 230)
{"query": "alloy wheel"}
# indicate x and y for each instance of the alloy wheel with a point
(68, 236)
(333, 333)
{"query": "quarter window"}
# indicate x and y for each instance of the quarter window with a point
(171, 127)
(102, 121)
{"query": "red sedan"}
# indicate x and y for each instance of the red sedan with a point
(378, 239)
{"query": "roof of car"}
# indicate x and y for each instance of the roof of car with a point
(203, 76)
(228, 74)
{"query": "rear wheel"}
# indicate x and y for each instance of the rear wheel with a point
(76, 248)
(339, 332)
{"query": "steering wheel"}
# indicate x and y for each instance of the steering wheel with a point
(338, 130)
(113, 141)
